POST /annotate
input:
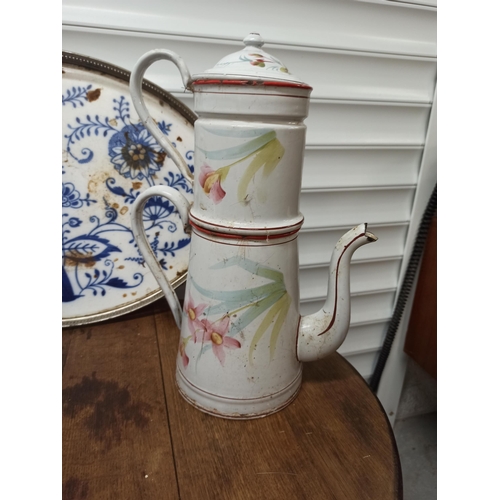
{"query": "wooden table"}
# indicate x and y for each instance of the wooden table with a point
(128, 434)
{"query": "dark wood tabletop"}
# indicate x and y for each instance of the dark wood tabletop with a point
(128, 434)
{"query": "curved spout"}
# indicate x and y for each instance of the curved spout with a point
(323, 332)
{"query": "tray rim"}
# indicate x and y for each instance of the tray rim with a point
(85, 62)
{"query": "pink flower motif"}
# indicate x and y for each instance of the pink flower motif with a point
(216, 333)
(182, 352)
(194, 323)
(210, 182)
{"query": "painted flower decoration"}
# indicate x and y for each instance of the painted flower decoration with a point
(195, 325)
(210, 181)
(70, 196)
(74, 222)
(216, 333)
(156, 209)
(182, 351)
(261, 60)
(258, 62)
(135, 153)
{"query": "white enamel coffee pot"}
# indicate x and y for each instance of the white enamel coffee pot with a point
(242, 338)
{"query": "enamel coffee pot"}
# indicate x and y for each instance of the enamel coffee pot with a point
(242, 338)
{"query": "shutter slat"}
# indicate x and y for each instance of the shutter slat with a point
(349, 208)
(355, 167)
(365, 277)
(361, 123)
(364, 338)
(315, 248)
(373, 307)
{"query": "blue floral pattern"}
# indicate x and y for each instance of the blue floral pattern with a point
(71, 197)
(135, 153)
(76, 96)
(97, 242)
(83, 252)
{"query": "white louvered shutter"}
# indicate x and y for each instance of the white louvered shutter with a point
(372, 65)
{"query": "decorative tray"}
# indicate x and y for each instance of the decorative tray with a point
(108, 159)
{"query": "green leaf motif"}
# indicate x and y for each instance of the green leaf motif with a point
(284, 308)
(279, 311)
(267, 152)
(252, 303)
(237, 133)
(253, 312)
(252, 267)
(267, 158)
(233, 300)
(242, 151)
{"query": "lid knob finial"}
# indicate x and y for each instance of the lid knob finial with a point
(253, 40)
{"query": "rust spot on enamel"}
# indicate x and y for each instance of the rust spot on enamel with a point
(75, 258)
(93, 95)
(92, 186)
(160, 157)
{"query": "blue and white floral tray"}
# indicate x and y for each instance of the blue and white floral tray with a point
(109, 158)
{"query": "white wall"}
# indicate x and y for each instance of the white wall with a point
(372, 65)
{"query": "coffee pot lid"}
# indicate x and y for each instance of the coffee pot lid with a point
(251, 63)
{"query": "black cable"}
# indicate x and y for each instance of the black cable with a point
(411, 271)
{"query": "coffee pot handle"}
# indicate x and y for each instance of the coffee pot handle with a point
(136, 78)
(141, 238)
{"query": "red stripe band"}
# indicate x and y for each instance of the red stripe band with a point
(253, 83)
(261, 237)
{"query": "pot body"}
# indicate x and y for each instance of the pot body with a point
(237, 350)
(237, 353)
